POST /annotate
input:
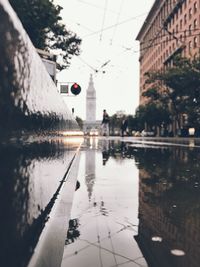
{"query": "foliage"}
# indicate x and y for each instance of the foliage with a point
(42, 21)
(116, 122)
(152, 114)
(181, 90)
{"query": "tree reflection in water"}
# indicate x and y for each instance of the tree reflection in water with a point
(169, 202)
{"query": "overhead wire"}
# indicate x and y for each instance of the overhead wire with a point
(162, 26)
(125, 21)
(96, 6)
(104, 17)
(165, 41)
(164, 35)
(114, 25)
(96, 70)
(117, 21)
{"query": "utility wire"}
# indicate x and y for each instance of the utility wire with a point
(135, 51)
(104, 17)
(162, 26)
(112, 26)
(96, 6)
(82, 60)
(117, 21)
(177, 32)
(165, 41)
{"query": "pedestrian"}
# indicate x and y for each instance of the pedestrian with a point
(124, 126)
(105, 123)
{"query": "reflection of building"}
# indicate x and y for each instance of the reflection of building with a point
(90, 168)
(168, 209)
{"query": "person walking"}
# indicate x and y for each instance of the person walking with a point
(124, 127)
(105, 123)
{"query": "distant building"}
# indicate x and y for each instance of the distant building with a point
(91, 102)
(90, 122)
(49, 61)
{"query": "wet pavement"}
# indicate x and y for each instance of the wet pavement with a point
(138, 204)
(32, 175)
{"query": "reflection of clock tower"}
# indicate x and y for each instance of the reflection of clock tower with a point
(91, 102)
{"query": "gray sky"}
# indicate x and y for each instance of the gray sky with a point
(108, 29)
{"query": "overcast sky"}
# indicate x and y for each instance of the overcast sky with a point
(108, 29)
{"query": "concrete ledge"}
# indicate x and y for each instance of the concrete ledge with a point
(50, 246)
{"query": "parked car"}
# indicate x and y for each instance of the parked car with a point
(147, 134)
(137, 134)
(94, 132)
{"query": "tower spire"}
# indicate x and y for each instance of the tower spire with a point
(91, 83)
(91, 101)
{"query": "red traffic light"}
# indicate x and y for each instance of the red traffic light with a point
(75, 89)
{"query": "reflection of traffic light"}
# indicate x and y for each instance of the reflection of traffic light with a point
(75, 89)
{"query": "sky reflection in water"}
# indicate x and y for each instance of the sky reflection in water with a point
(136, 206)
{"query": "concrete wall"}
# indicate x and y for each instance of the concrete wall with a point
(38, 169)
(29, 97)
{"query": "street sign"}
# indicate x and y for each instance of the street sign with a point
(64, 89)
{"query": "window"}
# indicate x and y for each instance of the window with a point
(185, 18)
(190, 46)
(181, 23)
(190, 13)
(185, 34)
(190, 29)
(195, 7)
(195, 42)
(195, 23)
(181, 10)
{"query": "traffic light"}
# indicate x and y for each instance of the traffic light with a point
(75, 89)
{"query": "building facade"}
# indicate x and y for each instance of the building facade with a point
(91, 122)
(91, 102)
(171, 27)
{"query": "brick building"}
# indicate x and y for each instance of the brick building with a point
(171, 27)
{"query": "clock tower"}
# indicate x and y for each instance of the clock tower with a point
(91, 102)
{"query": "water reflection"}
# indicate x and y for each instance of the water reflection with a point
(108, 217)
(105, 151)
(90, 167)
(31, 174)
(169, 205)
(73, 232)
(168, 211)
